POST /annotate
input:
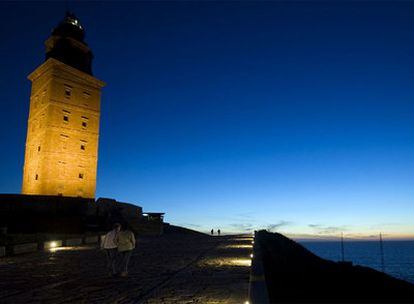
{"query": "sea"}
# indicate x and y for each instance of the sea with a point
(398, 255)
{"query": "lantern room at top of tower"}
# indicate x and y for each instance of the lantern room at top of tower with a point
(70, 27)
(67, 44)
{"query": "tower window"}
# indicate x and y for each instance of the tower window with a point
(66, 115)
(84, 122)
(38, 149)
(83, 147)
(81, 175)
(68, 91)
(36, 177)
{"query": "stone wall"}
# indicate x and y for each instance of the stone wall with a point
(69, 215)
(42, 214)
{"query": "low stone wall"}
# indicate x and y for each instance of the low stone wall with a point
(24, 248)
(73, 242)
(35, 245)
(26, 214)
(49, 242)
(91, 239)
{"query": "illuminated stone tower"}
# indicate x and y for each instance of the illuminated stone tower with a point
(63, 126)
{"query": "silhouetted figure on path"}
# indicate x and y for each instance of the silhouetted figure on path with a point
(218, 231)
(212, 231)
(109, 244)
(126, 244)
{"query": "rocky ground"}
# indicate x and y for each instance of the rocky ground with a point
(174, 268)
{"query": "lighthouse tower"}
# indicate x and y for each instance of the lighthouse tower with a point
(63, 125)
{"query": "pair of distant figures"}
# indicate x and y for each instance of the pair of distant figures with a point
(118, 245)
(218, 231)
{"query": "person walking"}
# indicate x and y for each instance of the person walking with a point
(126, 244)
(218, 232)
(109, 244)
(212, 231)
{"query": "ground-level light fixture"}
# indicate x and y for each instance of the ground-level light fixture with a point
(52, 245)
(238, 246)
(251, 255)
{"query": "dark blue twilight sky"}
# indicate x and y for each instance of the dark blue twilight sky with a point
(286, 115)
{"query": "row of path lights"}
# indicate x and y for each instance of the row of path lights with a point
(257, 289)
(251, 257)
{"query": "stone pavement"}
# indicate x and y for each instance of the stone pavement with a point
(174, 268)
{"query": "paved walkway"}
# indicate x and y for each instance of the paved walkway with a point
(169, 269)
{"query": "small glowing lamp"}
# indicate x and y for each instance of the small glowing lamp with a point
(251, 255)
(247, 302)
(53, 244)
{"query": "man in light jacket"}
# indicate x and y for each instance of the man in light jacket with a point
(109, 244)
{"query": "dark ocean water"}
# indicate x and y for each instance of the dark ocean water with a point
(398, 255)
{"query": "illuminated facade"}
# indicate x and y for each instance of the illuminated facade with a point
(63, 126)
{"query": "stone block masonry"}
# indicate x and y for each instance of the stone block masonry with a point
(63, 130)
